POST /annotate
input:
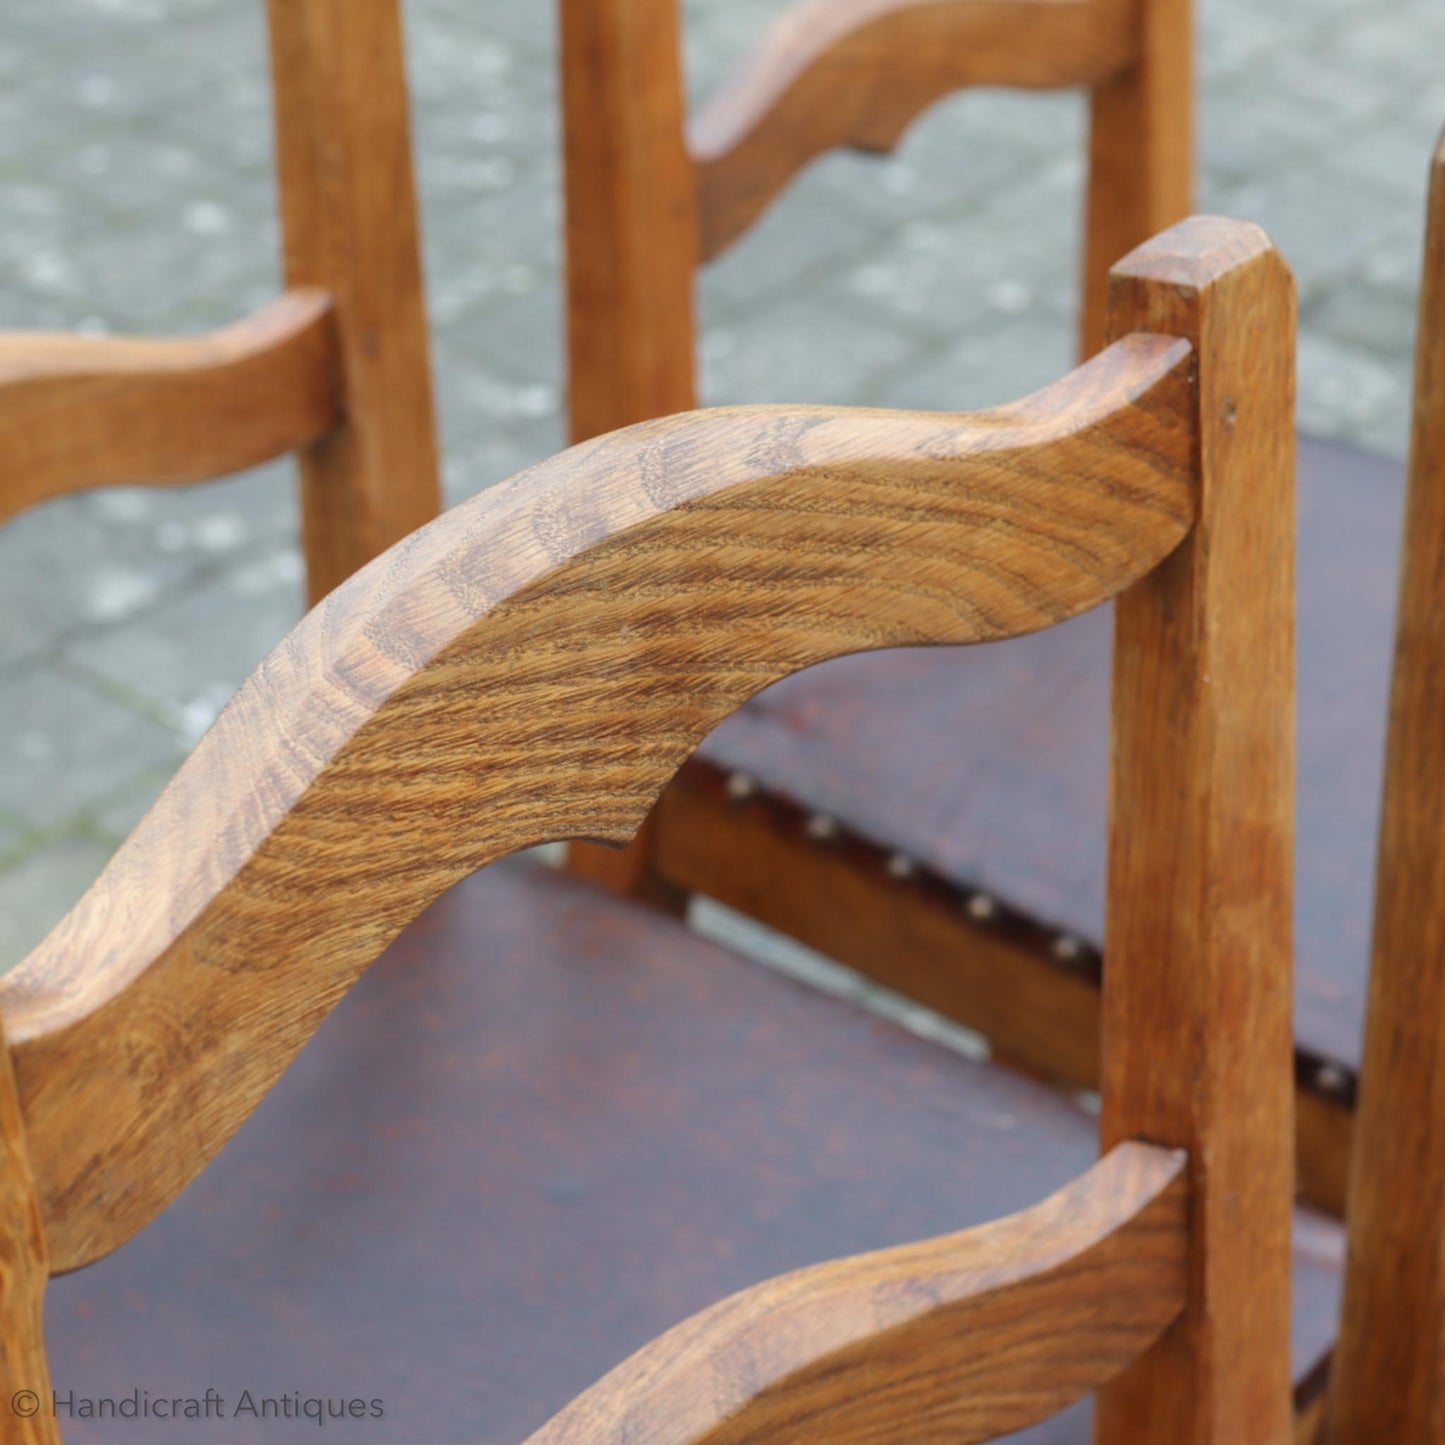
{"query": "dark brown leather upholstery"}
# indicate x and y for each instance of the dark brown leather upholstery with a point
(990, 765)
(545, 1127)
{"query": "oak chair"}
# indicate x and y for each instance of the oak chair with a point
(336, 370)
(935, 821)
(592, 1122)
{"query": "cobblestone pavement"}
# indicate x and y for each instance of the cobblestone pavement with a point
(136, 191)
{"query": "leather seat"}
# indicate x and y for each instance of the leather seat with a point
(547, 1125)
(990, 766)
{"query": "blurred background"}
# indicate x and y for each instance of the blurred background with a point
(136, 192)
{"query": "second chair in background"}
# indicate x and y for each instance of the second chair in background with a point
(936, 822)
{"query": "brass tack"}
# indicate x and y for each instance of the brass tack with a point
(740, 786)
(900, 865)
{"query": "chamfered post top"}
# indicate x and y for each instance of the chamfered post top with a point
(1195, 253)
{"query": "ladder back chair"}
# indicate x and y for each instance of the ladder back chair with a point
(535, 665)
(936, 821)
(336, 370)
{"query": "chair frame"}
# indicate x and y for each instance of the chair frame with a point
(611, 605)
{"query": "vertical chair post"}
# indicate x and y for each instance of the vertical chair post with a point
(1388, 1381)
(348, 215)
(632, 250)
(1197, 995)
(632, 230)
(1141, 153)
(26, 1416)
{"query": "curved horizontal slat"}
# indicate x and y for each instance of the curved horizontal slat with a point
(81, 411)
(536, 665)
(856, 73)
(964, 1338)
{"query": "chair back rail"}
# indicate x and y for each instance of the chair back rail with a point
(644, 209)
(1388, 1380)
(846, 1350)
(79, 411)
(535, 666)
(828, 75)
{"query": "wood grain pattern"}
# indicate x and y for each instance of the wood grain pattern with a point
(1197, 992)
(23, 1271)
(856, 73)
(348, 216)
(79, 411)
(965, 1337)
(1389, 1374)
(1141, 151)
(536, 665)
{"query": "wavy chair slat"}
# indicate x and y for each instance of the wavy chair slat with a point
(80, 411)
(536, 665)
(966, 1337)
(858, 73)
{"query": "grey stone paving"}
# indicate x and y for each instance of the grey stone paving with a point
(136, 192)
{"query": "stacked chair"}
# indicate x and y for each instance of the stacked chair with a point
(557, 1167)
(936, 821)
